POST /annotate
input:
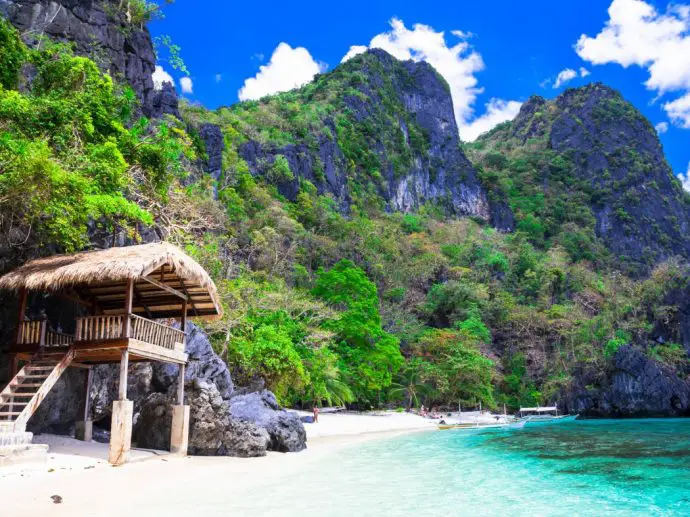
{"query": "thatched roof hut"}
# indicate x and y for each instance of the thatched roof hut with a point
(163, 276)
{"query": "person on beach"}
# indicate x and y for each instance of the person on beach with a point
(316, 414)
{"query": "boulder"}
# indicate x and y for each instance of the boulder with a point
(153, 424)
(284, 427)
(212, 431)
(203, 364)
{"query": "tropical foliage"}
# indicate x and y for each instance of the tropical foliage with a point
(327, 306)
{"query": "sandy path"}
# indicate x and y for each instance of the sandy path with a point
(159, 484)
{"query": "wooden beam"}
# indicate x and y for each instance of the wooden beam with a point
(164, 287)
(73, 298)
(139, 301)
(184, 288)
(124, 365)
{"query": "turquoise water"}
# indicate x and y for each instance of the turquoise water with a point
(623, 467)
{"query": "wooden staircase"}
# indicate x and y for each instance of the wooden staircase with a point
(22, 396)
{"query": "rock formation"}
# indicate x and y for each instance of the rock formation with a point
(97, 29)
(637, 387)
(412, 137)
(642, 213)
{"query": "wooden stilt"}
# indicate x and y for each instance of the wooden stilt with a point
(129, 295)
(83, 429)
(124, 365)
(180, 385)
(86, 404)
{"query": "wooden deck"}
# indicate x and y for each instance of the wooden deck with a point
(103, 338)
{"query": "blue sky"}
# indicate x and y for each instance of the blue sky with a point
(508, 51)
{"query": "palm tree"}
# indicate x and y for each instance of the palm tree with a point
(410, 387)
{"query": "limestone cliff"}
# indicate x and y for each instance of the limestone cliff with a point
(98, 29)
(375, 128)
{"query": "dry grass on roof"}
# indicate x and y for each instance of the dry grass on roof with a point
(110, 265)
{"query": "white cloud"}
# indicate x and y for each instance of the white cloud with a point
(457, 62)
(187, 85)
(288, 68)
(497, 111)
(584, 72)
(565, 76)
(661, 128)
(219, 77)
(637, 34)
(685, 179)
(160, 77)
(354, 50)
(679, 111)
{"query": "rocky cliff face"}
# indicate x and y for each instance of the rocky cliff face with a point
(637, 386)
(615, 159)
(375, 127)
(98, 29)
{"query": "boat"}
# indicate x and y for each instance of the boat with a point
(544, 416)
(474, 426)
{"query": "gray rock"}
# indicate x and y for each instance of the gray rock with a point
(98, 30)
(212, 136)
(203, 364)
(637, 387)
(154, 421)
(284, 427)
(165, 101)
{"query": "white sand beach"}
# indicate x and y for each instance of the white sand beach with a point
(157, 483)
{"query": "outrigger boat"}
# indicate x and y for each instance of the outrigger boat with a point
(473, 426)
(544, 415)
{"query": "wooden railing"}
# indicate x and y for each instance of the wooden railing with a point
(31, 332)
(36, 333)
(100, 328)
(107, 327)
(155, 333)
(58, 339)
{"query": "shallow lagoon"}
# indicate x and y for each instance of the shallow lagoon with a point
(592, 467)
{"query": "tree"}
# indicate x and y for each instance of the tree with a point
(369, 356)
(410, 385)
(456, 368)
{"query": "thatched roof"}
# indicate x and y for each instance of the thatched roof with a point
(102, 275)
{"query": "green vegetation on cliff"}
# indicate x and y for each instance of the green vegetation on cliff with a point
(328, 305)
(70, 152)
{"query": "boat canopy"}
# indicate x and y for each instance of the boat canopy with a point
(545, 409)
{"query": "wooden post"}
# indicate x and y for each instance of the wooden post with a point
(88, 381)
(180, 385)
(83, 429)
(14, 366)
(42, 338)
(124, 364)
(129, 295)
(21, 312)
(183, 323)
